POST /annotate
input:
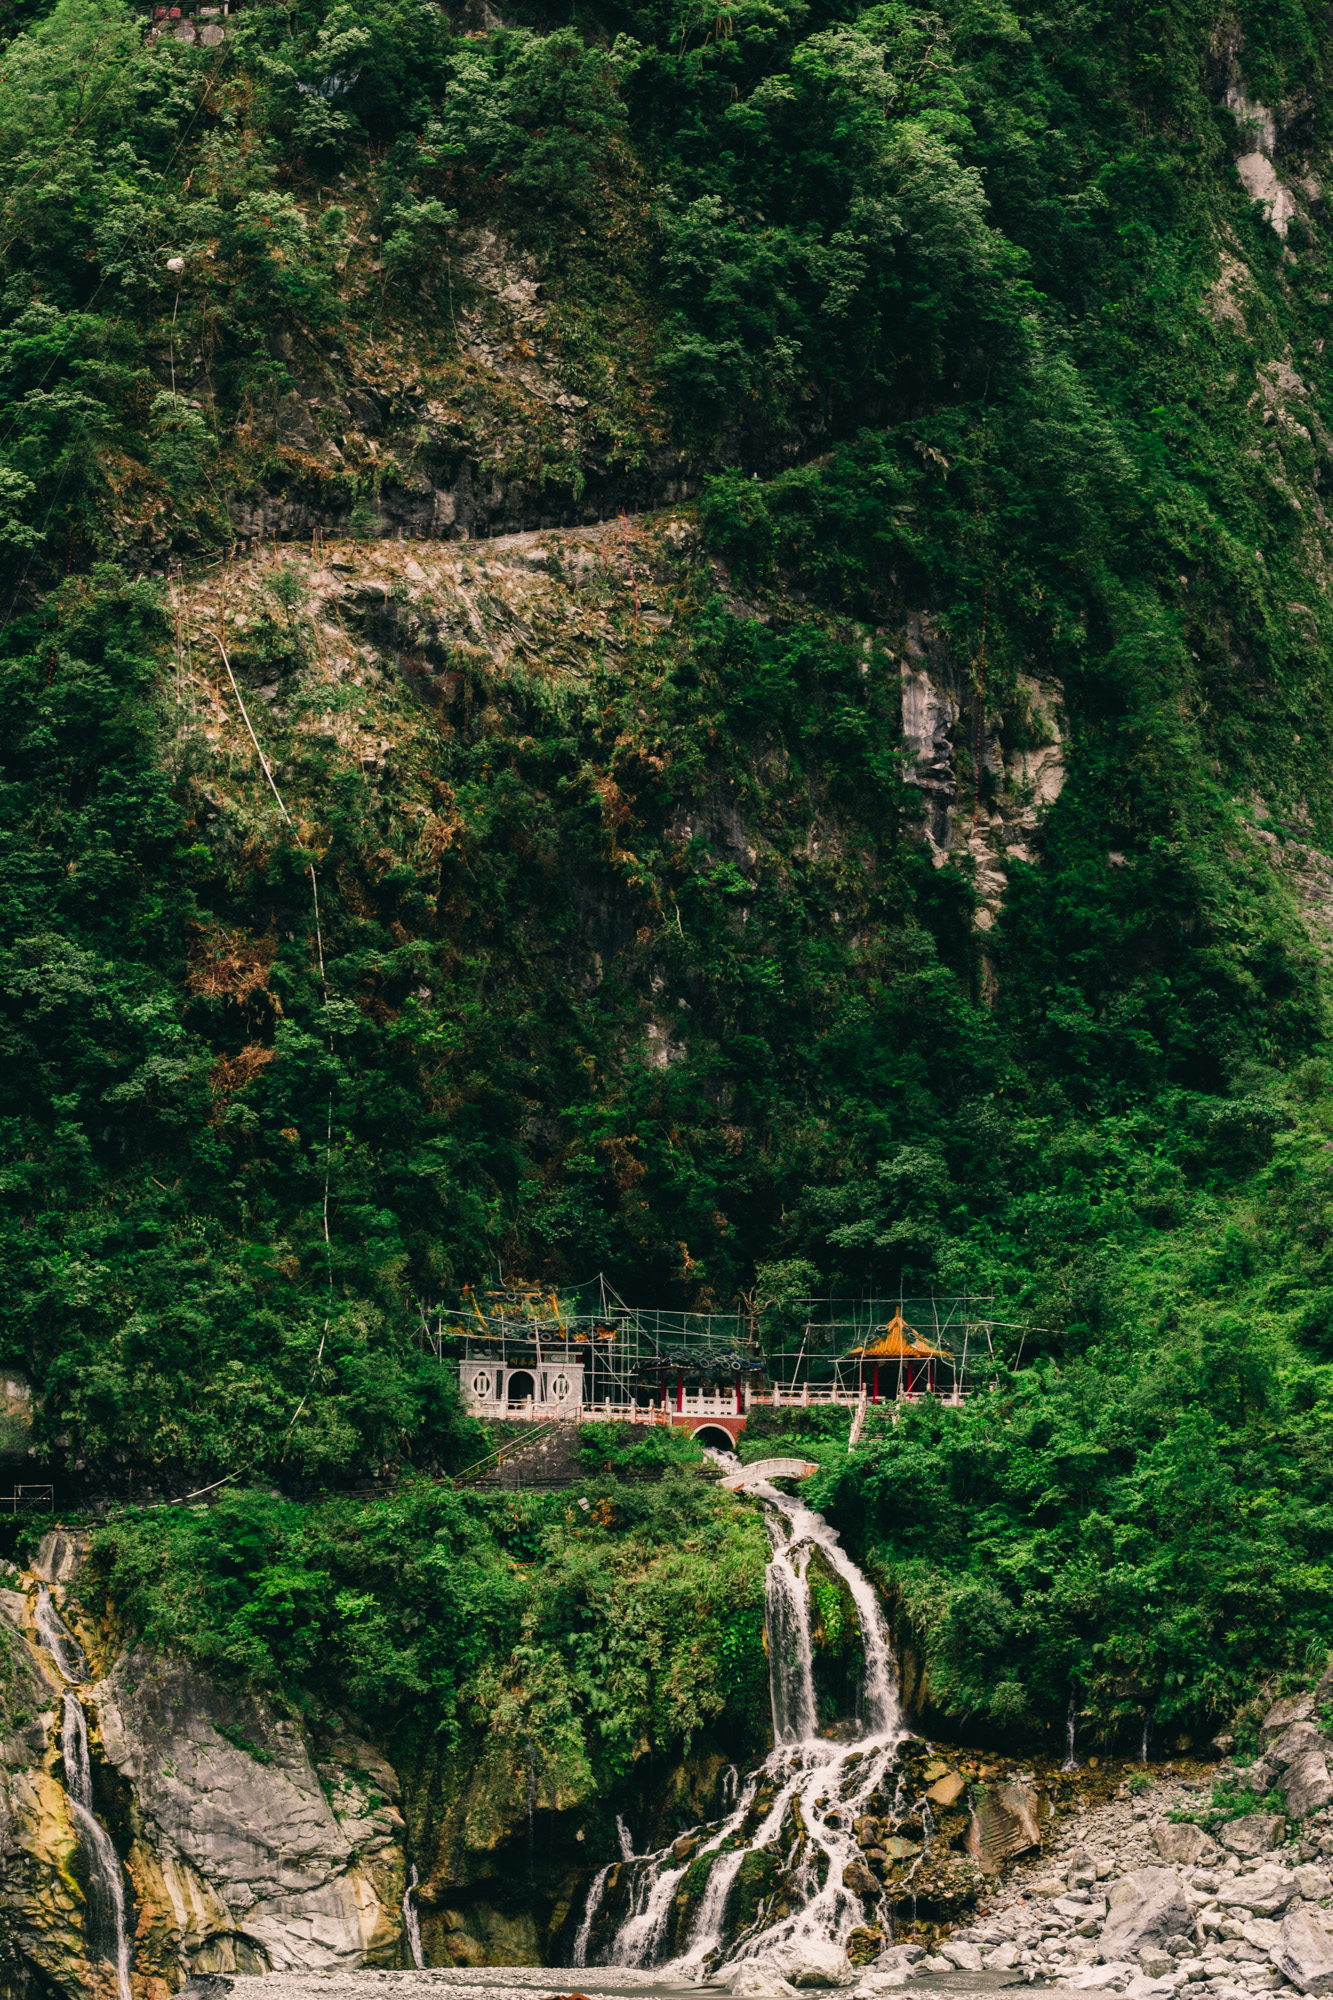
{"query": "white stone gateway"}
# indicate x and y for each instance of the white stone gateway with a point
(541, 1392)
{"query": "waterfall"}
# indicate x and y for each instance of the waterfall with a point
(106, 1934)
(706, 1936)
(626, 1839)
(106, 1887)
(1143, 1752)
(1071, 1730)
(57, 1638)
(412, 1920)
(582, 1937)
(823, 1786)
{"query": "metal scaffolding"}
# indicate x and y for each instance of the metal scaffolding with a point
(625, 1354)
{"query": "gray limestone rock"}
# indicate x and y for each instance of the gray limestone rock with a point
(241, 1823)
(1305, 1955)
(1146, 1907)
(1182, 1844)
(1306, 1785)
(1294, 1742)
(1265, 1891)
(1253, 1833)
(1280, 1717)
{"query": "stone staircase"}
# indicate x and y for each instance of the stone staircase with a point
(550, 1459)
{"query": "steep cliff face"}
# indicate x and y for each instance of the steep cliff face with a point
(248, 1843)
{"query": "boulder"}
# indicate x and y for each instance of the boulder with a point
(1295, 1742)
(1266, 1891)
(1182, 1845)
(1002, 1958)
(945, 1790)
(756, 1978)
(1305, 1955)
(1306, 1785)
(1280, 1717)
(1258, 1777)
(1091, 1978)
(857, 1877)
(1146, 1907)
(966, 1957)
(1255, 1833)
(1156, 1964)
(1314, 1883)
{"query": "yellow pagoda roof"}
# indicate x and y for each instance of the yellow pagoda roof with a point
(900, 1342)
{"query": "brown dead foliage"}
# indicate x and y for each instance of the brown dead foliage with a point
(231, 1073)
(229, 962)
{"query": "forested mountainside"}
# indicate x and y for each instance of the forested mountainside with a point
(691, 643)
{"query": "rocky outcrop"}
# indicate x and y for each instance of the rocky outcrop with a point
(244, 1843)
(249, 1855)
(1305, 1955)
(1144, 1908)
(987, 770)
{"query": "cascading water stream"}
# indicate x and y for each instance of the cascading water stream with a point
(1071, 1762)
(106, 1932)
(828, 1783)
(412, 1919)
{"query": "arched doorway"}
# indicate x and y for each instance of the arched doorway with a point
(522, 1388)
(714, 1438)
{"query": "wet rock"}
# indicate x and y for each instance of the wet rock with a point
(1146, 1907)
(865, 1944)
(1305, 1954)
(857, 1877)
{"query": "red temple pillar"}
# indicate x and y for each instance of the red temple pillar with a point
(874, 1394)
(740, 1404)
(680, 1390)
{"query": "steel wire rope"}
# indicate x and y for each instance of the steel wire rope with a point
(324, 988)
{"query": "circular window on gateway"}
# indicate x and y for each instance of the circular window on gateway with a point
(560, 1388)
(481, 1385)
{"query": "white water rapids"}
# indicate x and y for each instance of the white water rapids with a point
(106, 1933)
(822, 1786)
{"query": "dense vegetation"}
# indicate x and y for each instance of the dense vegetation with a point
(979, 295)
(572, 1636)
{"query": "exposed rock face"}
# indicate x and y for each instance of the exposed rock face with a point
(1306, 1785)
(1146, 1907)
(239, 1853)
(258, 1866)
(1305, 1955)
(987, 773)
(1254, 1834)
